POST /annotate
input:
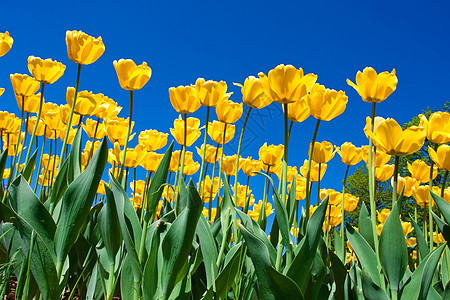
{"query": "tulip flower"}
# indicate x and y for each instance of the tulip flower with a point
(322, 153)
(184, 99)
(132, 77)
(151, 161)
(51, 116)
(314, 177)
(437, 127)
(274, 169)
(216, 129)
(207, 195)
(334, 197)
(243, 194)
(372, 87)
(421, 171)
(291, 173)
(94, 130)
(192, 131)
(326, 104)
(441, 157)
(350, 202)
(82, 48)
(408, 183)
(383, 173)
(211, 92)
(72, 133)
(64, 110)
(152, 139)
(24, 85)
(286, 84)
(107, 108)
(86, 102)
(381, 158)
(31, 124)
(270, 155)
(213, 214)
(6, 42)
(229, 165)
(383, 214)
(228, 111)
(249, 166)
(350, 154)
(46, 71)
(116, 128)
(298, 111)
(210, 153)
(191, 167)
(257, 208)
(300, 187)
(253, 93)
(137, 186)
(420, 194)
(389, 137)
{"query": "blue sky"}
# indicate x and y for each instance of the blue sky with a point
(231, 40)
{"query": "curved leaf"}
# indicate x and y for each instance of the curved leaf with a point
(370, 289)
(421, 242)
(209, 250)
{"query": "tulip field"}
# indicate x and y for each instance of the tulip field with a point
(78, 221)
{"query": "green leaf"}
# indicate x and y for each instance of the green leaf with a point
(73, 168)
(6, 214)
(290, 205)
(281, 216)
(29, 166)
(338, 246)
(339, 275)
(393, 249)
(3, 159)
(444, 207)
(366, 255)
(157, 184)
(301, 265)
(177, 243)
(254, 228)
(443, 227)
(127, 280)
(272, 284)
(370, 289)
(108, 223)
(421, 242)
(422, 276)
(209, 250)
(129, 224)
(77, 202)
(365, 225)
(31, 212)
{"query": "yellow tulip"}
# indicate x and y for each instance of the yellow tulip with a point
(298, 111)
(228, 111)
(254, 213)
(408, 182)
(101, 188)
(6, 120)
(383, 214)
(270, 155)
(132, 77)
(326, 104)
(300, 187)
(383, 173)
(242, 194)
(175, 160)
(72, 133)
(350, 154)
(441, 157)
(291, 173)
(437, 190)
(350, 202)
(322, 153)
(210, 153)
(437, 127)
(407, 228)
(137, 186)
(314, 170)
(151, 161)
(31, 122)
(215, 132)
(31, 103)
(52, 134)
(51, 116)
(210, 92)
(92, 128)
(86, 101)
(107, 108)
(253, 93)
(213, 213)
(439, 237)
(184, 99)
(272, 169)
(334, 197)
(6, 42)
(2, 90)
(249, 166)
(372, 87)
(421, 171)
(190, 167)
(207, 195)
(116, 128)
(152, 139)
(82, 48)
(381, 158)
(24, 85)
(64, 111)
(420, 194)
(389, 137)
(192, 130)
(286, 84)
(229, 165)
(45, 70)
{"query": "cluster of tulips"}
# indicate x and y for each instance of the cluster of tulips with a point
(167, 239)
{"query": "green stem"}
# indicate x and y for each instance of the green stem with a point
(128, 136)
(40, 160)
(318, 184)
(444, 181)
(91, 151)
(430, 203)
(183, 155)
(38, 117)
(221, 158)
(343, 214)
(394, 190)
(202, 168)
(212, 185)
(224, 238)
(69, 124)
(308, 172)
(236, 171)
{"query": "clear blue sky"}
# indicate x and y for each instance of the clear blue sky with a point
(230, 40)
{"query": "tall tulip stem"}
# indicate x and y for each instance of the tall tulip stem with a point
(236, 171)
(343, 213)
(308, 172)
(202, 168)
(69, 124)
(183, 155)
(444, 181)
(430, 203)
(41, 102)
(394, 190)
